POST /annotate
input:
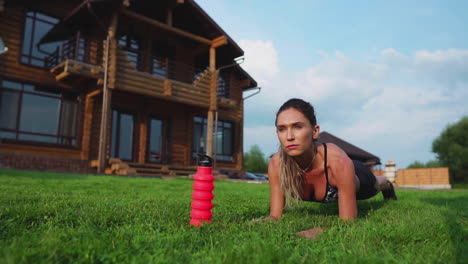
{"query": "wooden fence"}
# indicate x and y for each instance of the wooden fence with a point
(421, 177)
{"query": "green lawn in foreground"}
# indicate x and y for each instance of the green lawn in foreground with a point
(63, 218)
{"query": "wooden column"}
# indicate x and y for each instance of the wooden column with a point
(213, 101)
(106, 97)
(143, 140)
(87, 123)
(217, 42)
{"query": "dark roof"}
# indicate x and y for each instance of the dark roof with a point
(213, 30)
(91, 18)
(246, 75)
(353, 152)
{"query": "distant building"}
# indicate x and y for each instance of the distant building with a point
(353, 152)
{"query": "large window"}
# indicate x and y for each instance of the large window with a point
(34, 113)
(36, 25)
(223, 139)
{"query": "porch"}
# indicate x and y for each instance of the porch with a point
(120, 167)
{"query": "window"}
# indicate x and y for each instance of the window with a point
(199, 136)
(34, 113)
(132, 46)
(162, 62)
(156, 141)
(223, 139)
(122, 135)
(224, 84)
(36, 25)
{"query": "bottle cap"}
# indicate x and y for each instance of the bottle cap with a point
(205, 161)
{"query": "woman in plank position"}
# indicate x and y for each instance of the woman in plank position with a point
(305, 170)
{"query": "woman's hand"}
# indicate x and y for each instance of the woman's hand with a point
(311, 233)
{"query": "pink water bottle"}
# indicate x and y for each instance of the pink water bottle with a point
(202, 192)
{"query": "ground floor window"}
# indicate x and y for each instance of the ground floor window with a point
(30, 112)
(122, 135)
(156, 142)
(222, 143)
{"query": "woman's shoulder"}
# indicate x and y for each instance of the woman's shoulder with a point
(335, 155)
(334, 150)
(338, 163)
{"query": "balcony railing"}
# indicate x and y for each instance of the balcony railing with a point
(79, 48)
(224, 85)
(163, 67)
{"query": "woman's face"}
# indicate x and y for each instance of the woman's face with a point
(295, 132)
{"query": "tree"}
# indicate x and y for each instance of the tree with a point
(430, 164)
(416, 165)
(451, 148)
(433, 164)
(254, 160)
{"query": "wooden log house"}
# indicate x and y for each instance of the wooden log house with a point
(118, 86)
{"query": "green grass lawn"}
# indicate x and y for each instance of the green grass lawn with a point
(64, 218)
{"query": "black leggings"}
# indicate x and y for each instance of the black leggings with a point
(367, 181)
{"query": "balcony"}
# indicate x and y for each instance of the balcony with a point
(78, 58)
(81, 58)
(165, 79)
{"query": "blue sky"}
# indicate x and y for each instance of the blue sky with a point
(386, 76)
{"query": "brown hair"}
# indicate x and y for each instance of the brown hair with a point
(290, 173)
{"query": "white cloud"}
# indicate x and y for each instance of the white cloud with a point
(339, 75)
(261, 58)
(392, 105)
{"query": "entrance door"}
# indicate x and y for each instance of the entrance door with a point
(156, 144)
(122, 135)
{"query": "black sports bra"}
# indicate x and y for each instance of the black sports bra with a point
(331, 193)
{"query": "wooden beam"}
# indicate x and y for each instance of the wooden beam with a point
(62, 75)
(143, 133)
(219, 41)
(165, 27)
(244, 83)
(106, 98)
(93, 93)
(167, 88)
(214, 79)
(213, 103)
